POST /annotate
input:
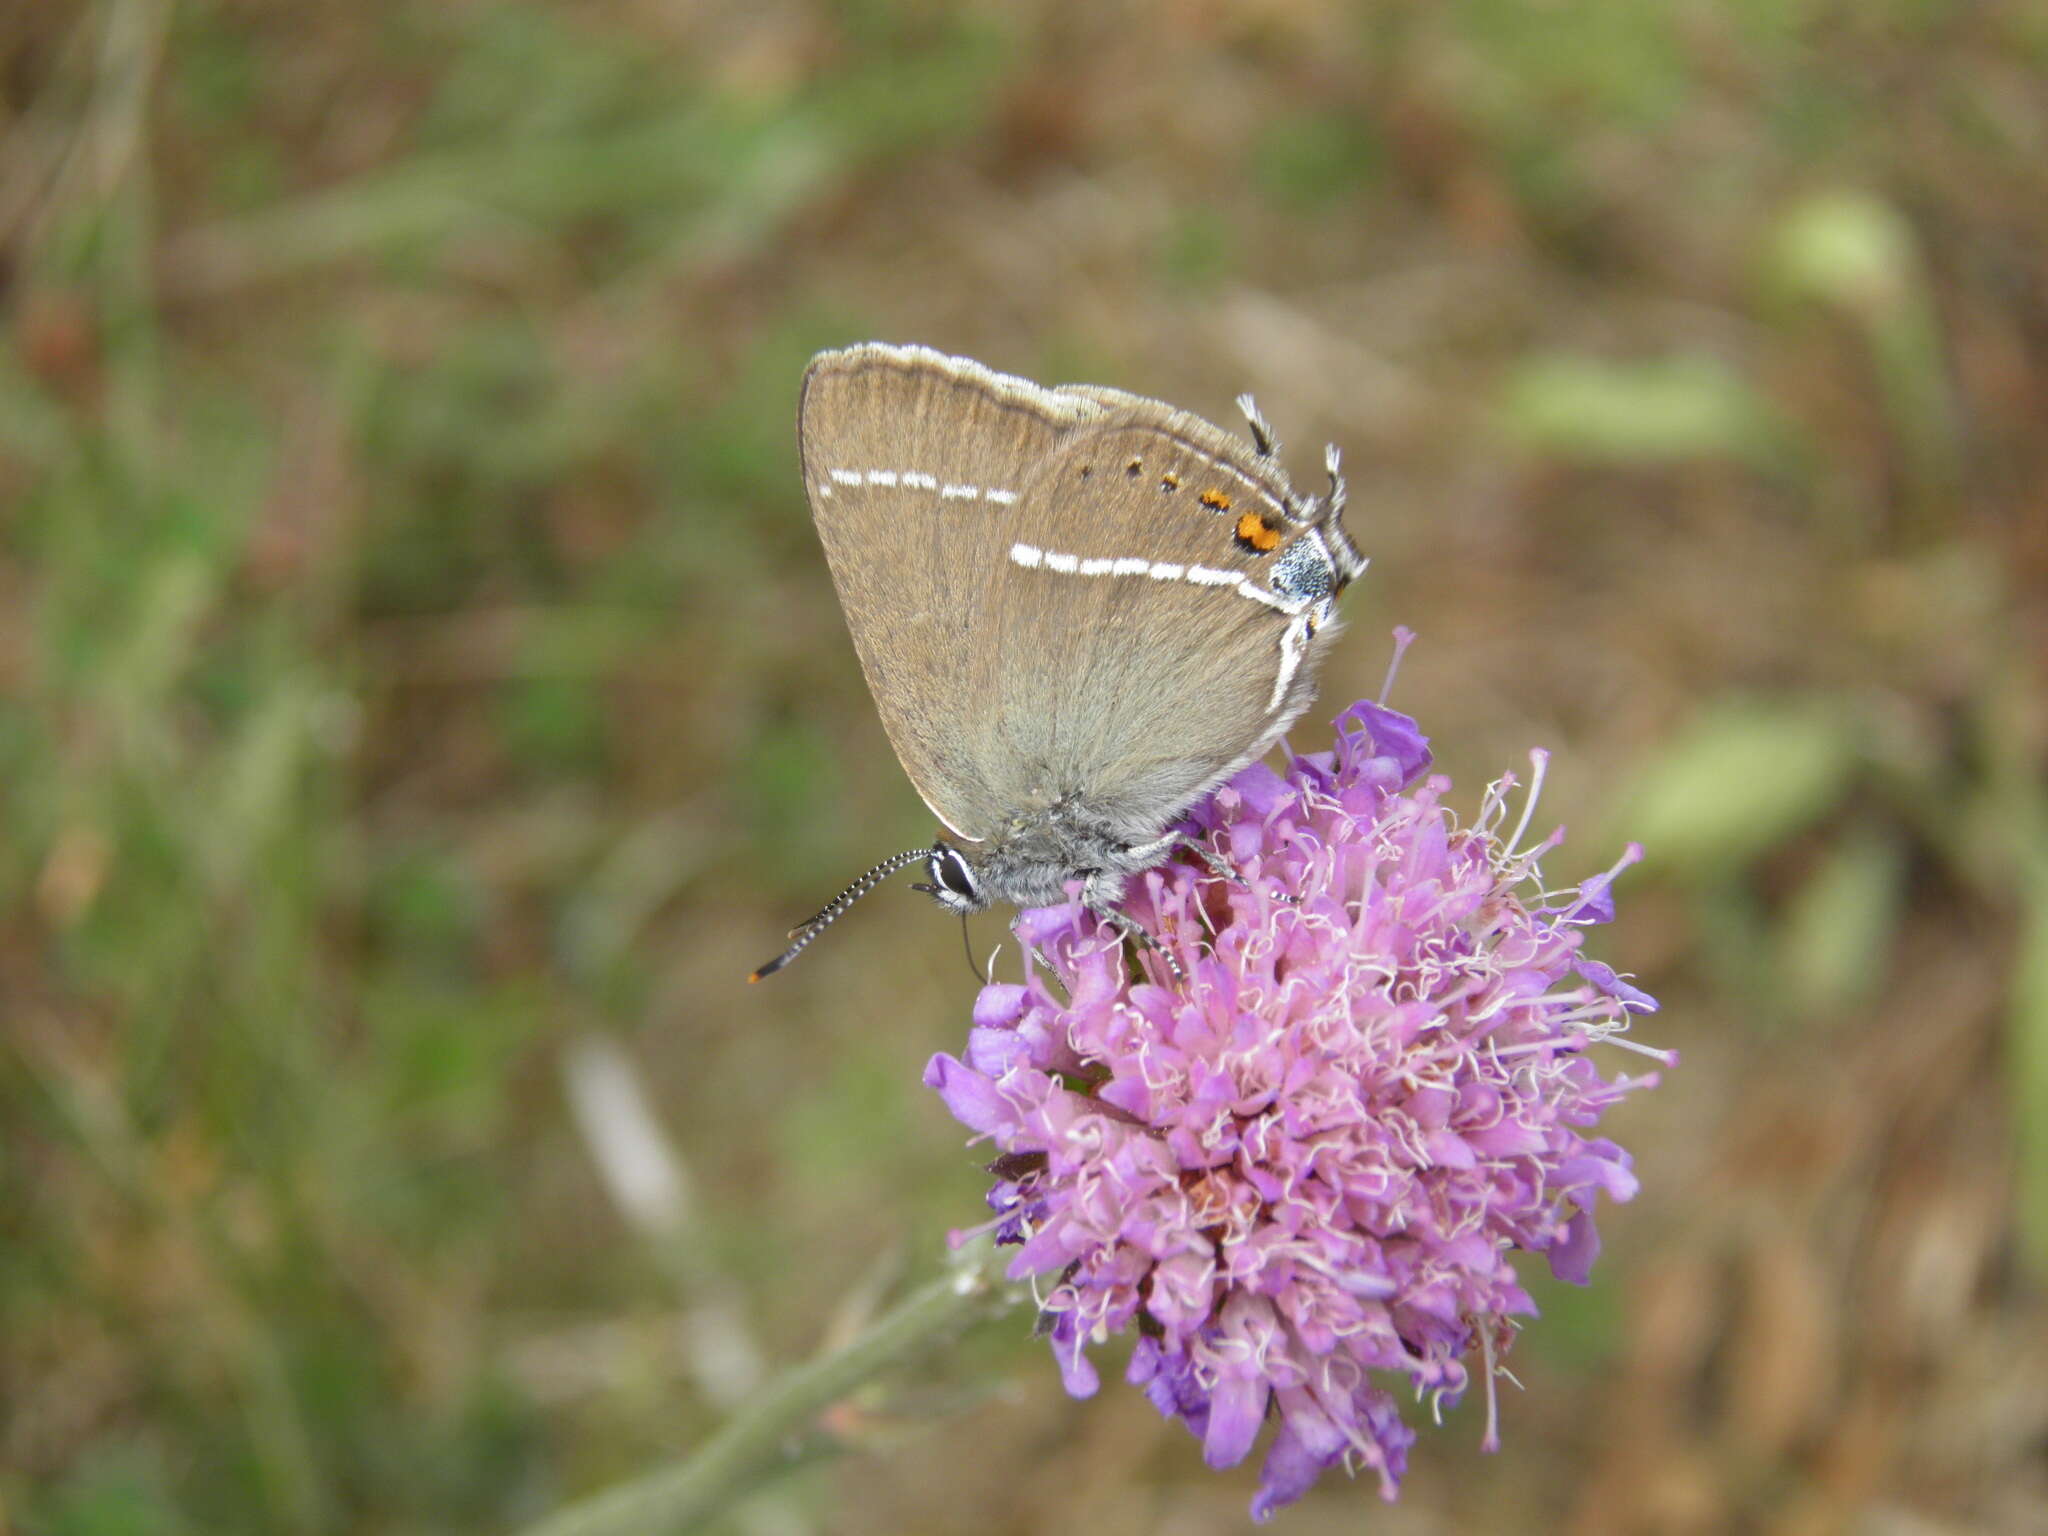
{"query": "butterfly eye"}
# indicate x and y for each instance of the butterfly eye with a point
(951, 871)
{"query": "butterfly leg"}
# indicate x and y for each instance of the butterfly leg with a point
(1141, 856)
(1145, 855)
(1217, 864)
(1097, 900)
(1221, 867)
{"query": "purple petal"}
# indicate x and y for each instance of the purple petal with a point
(1571, 1258)
(1000, 1005)
(1291, 1469)
(1608, 981)
(1390, 734)
(972, 1098)
(1236, 1410)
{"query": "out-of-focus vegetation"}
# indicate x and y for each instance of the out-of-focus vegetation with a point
(421, 700)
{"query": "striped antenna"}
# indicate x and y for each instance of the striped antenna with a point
(805, 932)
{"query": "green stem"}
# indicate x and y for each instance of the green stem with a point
(732, 1461)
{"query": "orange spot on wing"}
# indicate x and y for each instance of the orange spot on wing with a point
(1254, 533)
(1216, 501)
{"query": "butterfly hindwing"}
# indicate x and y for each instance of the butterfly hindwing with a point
(1140, 590)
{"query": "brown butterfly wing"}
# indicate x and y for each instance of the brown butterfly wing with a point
(914, 463)
(1136, 649)
(1051, 592)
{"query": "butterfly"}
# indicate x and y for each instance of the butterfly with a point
(1078, 611)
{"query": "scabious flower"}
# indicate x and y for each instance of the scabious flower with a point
(1297, 1158)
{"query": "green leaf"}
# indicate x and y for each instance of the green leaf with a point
(1834, 942)
(1746, 776)
(1684, 406)
(1848, 249)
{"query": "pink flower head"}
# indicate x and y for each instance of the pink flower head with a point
(1306, 1158)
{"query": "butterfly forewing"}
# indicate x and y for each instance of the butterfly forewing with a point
(914, 463)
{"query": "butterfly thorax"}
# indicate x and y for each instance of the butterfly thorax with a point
(1038, 854)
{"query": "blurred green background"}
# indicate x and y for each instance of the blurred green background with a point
(422, 700)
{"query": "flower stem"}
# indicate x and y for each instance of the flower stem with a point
(732, 1462)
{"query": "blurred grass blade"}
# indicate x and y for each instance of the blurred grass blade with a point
(769, 1432)
(489, 190)
(727, 168)
(652, 1188)
(640, 1169)
(1858, 255)
(2029, 1048)
(610, 913)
